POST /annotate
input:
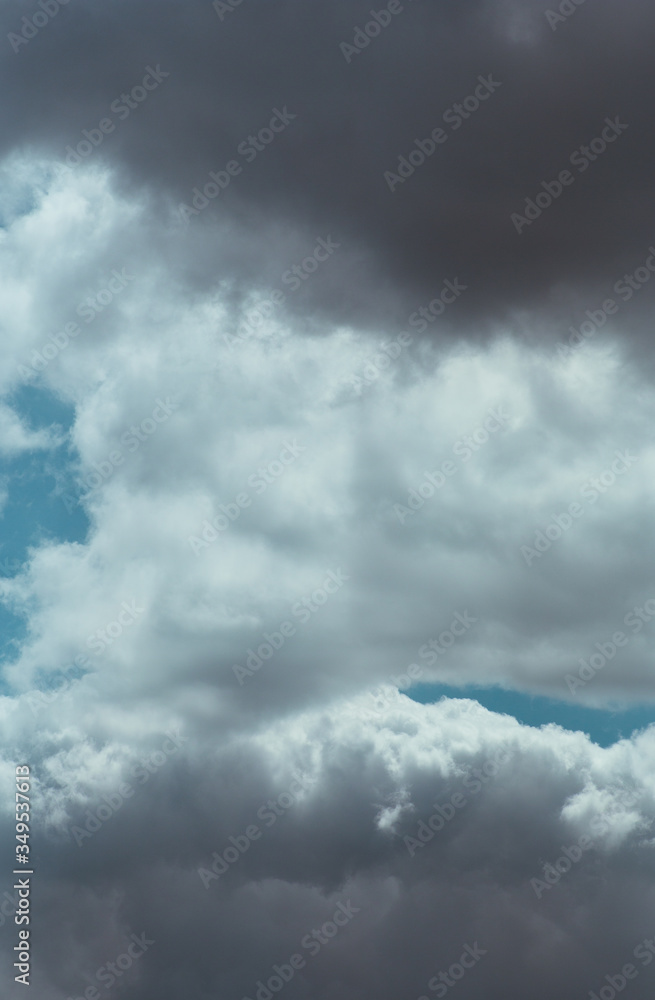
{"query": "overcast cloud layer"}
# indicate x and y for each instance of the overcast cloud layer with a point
(554, 84)
(333, 432)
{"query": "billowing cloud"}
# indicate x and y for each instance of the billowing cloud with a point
(341, 420)
(376, 844)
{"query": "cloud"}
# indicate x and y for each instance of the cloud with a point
(325, 173)
(328, 846)
(322, 431)
(507, 483)
(16, 437)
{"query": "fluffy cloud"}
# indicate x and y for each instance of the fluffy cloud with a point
(224, 481)
(306, 458)
(442, 826)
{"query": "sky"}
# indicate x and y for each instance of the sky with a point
(327, 602)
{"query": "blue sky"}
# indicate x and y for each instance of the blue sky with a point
(35, 511)
(604, 726)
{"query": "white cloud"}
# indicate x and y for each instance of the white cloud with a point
(16, 437)
(374, 775)
(458, 549)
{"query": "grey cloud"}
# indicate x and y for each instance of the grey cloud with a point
(471, 882)
(324, 173)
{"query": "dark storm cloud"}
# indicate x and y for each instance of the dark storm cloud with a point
(524, 799)
(167, 94)
(324, 173)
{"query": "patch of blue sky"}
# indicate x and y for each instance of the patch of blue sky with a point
(605, 726)
(34, 511)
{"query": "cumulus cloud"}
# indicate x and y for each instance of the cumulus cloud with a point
(328, 438)
(483, 850)
(224, 482)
